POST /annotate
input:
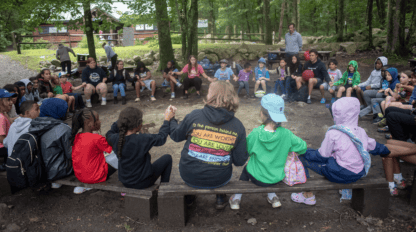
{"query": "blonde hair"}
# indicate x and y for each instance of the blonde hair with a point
(223, 95)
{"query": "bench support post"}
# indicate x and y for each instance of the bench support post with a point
(139, 207)
(413, 193)
(171, 211)
(372, 201)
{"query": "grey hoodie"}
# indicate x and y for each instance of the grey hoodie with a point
(375, 78)
(62, 53)
(28, 95)
(19, 126)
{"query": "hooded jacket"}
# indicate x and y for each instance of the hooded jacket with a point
(268, 153)
(118, 77)
(338, 144)
(215, 140)
(395, 78)
(375, 78)
(62, 53)
(55, 146)
(261, 72)
(28, 95)
(319, 70)
(356, 78)
(19, 126)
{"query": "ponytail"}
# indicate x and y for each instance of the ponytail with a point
(78, 122)
(269, 119)
(122, 136)
(129, 119)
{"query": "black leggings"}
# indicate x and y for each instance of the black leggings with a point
(66, 64)
(113, 62)
(161, 167)
(189, 82)
(401, 123)
(245, 176)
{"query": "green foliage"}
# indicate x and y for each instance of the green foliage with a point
(84, 43)
(153, 44)
(34, 46)
(138, 42)
(3, 42)
(176, 38)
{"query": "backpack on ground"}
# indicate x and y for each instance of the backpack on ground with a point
(301, 94)
(25, 166)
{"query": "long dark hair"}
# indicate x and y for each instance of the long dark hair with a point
(190, 64)
(293, 66)
(174, 65)
(269, 119)
(78, 122)
(42, 72)
(129, 119)
(139, 66)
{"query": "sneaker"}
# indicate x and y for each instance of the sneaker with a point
(400, 184)
(234, 204)
(165, 83)
(333, 100)
(377, 120)
(152, 98)
(137, 99)
(299, 198)
(382, 123)
(221, 202)
(55, 185)
(79, 190)
(323, 100)
(283, 96)
(103, 102)
(275, 202)
(309, 101)
(383, 130)
(387, 136)
(88, 104)
(178, 84)
(172, 95)
(393, 191)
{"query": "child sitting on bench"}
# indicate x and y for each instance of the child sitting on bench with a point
(88, 149)
(344, 153)
(268, 146)
(132, 149)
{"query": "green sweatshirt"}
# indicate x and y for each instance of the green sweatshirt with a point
(356, 78)
(268, 153)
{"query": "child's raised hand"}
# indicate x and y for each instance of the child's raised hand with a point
(169, 113)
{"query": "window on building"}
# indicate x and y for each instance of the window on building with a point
(51, 29)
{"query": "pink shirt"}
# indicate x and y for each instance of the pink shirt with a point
(338, 144)
(4, 127)
(193, 73)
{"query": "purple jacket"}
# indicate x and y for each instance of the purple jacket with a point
(338, 145)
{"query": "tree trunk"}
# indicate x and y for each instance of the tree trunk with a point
(298, 16)
(370, 24)
(390, 16)
(267, 24)
(402, 49)
(295, 10)
(211, 21)
(163, 30)
(412, 27)
(396, 21)
(381, 10)
(341, 19)
(179, 16)
(193, 29)
(336, 17)
(89, 30)
(282, 12)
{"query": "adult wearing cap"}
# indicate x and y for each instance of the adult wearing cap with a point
(62, 54)
(224, 73)
(54, 139)
(293, 41)
(268, 146)
(5, 107)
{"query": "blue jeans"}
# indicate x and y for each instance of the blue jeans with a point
(243, 84)
(121, 87)
(285, 87)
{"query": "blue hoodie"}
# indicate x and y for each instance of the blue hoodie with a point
(391, 84)
(263, 72)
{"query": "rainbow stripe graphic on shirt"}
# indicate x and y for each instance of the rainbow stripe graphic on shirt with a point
(212, 145)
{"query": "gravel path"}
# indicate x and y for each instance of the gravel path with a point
(12, 71)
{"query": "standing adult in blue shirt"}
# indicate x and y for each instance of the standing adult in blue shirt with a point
(111, 56)
(293, 41)
(224, 73)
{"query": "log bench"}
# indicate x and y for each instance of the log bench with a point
(370, 195)
(323, 55)
(139, 203)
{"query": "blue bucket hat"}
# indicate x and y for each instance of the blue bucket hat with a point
(275, 105)
(5, 94)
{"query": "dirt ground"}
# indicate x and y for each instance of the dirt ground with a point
(61, 210)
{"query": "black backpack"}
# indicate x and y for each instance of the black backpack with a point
(301, 94)
(25, 166)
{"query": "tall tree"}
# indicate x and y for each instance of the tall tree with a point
(381, 11)
(193, 29)
(282, 12)
(295, 10)
(341, 19)
(370, 24)
(412, 27)
(89, 30)
(298, 15)
(267, 23)
(163, 30)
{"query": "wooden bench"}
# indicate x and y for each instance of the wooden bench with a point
(139, 203)
(323, 55)
(370, 196)
(410, 169)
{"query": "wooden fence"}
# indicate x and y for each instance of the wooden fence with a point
(229, 39)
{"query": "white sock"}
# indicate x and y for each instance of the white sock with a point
(391, 184)
(309, 97)
(104, 99)
(271, 195)
(398, 176)
(237, 196)
(88, 100)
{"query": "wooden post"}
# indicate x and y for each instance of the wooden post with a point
(14, 41)
(18, 49)
(205, 34)
(69, 39)
(118, 40)
(241, 32)
(274, 35)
